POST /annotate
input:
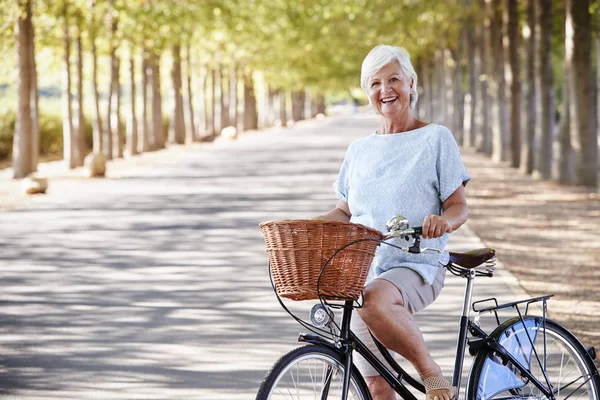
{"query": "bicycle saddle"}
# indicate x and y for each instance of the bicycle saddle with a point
(473, 258)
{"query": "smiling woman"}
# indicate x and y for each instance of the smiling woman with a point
(412, 168)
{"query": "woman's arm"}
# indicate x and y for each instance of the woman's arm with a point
(341, 212)
(455, 213)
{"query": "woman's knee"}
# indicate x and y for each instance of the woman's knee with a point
(378, 297)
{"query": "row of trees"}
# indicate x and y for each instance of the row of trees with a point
(512, 78)
(517, 82)
(212, 80)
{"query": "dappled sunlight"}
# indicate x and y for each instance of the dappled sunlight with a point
(153, 283)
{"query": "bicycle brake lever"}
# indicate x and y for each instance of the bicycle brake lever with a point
(431, 249)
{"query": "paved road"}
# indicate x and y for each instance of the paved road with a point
(152, 284)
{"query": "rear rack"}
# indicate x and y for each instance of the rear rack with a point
(515, 304)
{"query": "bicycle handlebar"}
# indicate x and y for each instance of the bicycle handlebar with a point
(405, 233)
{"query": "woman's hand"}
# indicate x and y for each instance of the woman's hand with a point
(435, 226)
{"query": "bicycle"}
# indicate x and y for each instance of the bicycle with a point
(525, 357)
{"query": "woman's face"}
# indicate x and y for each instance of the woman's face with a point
(389, 91)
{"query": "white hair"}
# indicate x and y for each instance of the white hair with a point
(380, 56)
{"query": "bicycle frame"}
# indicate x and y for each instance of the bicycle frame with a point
(481, 341)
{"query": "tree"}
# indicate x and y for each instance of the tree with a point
(512, 11)
(189, 73)
(70, 141)
(250, 114)
(113, 114)
(501, 139)
(583, 132)
(474, 62)
(546, 77)
(484, 142)
(178, 114)
(98, 131)
(132, 124)
(527, 154)
(79, 125)
(24, 152)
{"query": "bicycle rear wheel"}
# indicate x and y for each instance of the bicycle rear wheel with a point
(569, 369)
(311, 372)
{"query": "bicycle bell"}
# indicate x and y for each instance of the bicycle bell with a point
(321, 316)
(397, 223)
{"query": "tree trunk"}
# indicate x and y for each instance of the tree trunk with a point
(483, 139)
(250, 114)
(146, 146)
(471, 130)
(564, 170)
(583, 112)
(132, 125)
(544, 164)
(441, 87)
(283, 108)
(212, 126)
(112, 128)
(298, 105)
(192, 137)
(429, 86)
(272, 107)
(22, 142)
(528, 150)
(501, 139)
(321, 105)
(515, 82)
(233, 95)
(266, 111)
(34, 104)
(80, 131)
(113, 115)
(178, 115)
(223, 97)
(204, 103)
(70, 147)
(98, 135)
(157, 125)
(458, 96)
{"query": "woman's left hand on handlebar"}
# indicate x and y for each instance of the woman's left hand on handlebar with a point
(435, 226)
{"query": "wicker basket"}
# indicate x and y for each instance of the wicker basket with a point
(299, 248)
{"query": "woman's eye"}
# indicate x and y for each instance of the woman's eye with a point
(374, 84)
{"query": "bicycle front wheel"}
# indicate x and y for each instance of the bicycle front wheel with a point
(308, 373)
(557, 359)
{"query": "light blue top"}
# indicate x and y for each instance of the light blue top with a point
(408, 173)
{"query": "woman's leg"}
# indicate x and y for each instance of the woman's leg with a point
(391, 323)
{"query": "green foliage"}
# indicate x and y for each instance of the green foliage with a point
(51, 134)
(7, 129)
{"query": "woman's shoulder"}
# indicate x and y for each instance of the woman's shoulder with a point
(361, 141)
(441, 132)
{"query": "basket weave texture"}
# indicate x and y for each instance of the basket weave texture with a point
(298, 249)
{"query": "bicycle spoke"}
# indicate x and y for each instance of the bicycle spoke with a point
(566, 375)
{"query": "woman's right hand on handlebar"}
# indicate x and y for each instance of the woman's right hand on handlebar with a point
(434, 226)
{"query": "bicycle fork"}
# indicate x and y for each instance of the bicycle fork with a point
(344, 342)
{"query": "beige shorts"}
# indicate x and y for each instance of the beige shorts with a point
(417, 295)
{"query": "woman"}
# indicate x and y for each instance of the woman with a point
(414, 169)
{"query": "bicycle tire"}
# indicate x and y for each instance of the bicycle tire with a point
(303, 373)
(565, 358)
